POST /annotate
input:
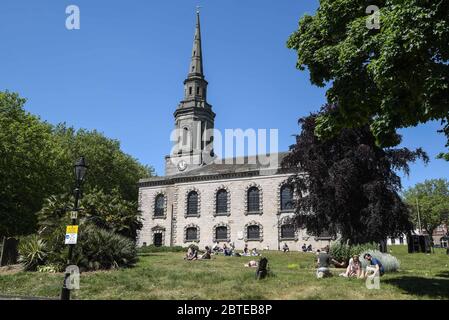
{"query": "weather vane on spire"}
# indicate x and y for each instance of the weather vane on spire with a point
(198, 8)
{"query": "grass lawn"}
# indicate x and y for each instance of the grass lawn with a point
(168, 276)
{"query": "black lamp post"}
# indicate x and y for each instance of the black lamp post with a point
(80, 173)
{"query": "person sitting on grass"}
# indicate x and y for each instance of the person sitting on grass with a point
(373, 264)
(254, 253)
(207, 254)
(285, 248)
(246, 251)
(216, 248)
(354, 268)
(324, 260)
(227, 251)
(309, 248)
(304, 248)
(192, 254)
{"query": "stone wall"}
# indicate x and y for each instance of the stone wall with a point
(174, 222)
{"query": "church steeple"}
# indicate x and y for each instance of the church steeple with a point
(195, 86)
(196, 65)
(194, 118)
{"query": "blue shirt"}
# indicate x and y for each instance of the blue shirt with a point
(374, 261)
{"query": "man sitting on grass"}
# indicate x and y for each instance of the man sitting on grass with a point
(324, 260)
(207, 254)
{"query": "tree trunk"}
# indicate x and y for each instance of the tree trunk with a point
(383, 246)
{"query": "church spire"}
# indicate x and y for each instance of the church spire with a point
(196, 65)
(195, 86)
(194, 118)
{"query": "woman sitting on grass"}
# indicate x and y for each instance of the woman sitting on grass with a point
(354, 268)
(191, 254)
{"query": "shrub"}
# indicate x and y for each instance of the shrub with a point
(343, 252)
(389, 262)
(102, 249)
(153, 248)
(32, 252)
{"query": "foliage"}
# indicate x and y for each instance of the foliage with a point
(432, 196)
(111, 212)
(102, 249)
(107, 230)
(351, 188)
(50, 268)
(36, 162)
(389, 78)
(109, 167)
(342, 252)
(152, 248)
(27, 162)
(108, 211)
(389, 262)
(32, 252)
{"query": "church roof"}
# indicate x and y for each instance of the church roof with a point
(223, 169)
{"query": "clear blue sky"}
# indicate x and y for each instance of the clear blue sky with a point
(122, 72)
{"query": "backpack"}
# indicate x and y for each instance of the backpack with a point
(262, 269)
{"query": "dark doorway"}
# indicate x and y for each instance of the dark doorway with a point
(158, 239)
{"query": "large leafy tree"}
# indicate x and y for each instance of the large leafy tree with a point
(28, 156)
(36, 161)
(432, 199)
(347, 185)
(109, 167)
(393, 77)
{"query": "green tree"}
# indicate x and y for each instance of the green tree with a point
(432, 199)
(28, 156)
(36, 161)
(109, 167)
(351, 188)
(389, 78)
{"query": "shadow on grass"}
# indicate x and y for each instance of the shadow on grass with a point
(444, 274)
(419, 286)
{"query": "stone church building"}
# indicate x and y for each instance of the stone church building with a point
(204, 200)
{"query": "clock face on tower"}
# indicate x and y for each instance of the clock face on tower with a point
(182, 165)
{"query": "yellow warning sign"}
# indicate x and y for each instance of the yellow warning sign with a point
(71, 229)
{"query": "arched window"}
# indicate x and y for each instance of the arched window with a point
(286, 198)
(159, 206)
(222, 202)
(191, 234)
(253, 199)
(287, 231)
(253, 232)
(192, 203)
(221, 233)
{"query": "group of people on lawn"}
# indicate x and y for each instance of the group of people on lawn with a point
(354, 268)
(304, 248)
(227, 250)
(324, 260)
